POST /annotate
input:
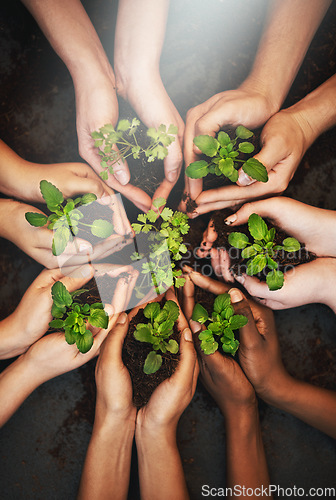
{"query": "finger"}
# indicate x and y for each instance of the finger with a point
(255, 287)
(162, 191)
(220, 261)
(131, 284)
(120, 170)
(173, 162)
(115, 339)
(265, 208)
(120, 295)
(77, 278)
(187, 369)
(79, 185)
(78, 245)
(188, 291)
(249, 334)
(208, 284)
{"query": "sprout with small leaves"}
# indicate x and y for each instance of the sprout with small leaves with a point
(66, 218)
(223, 153)
(220, 325)
(261, 254)
(157, 332)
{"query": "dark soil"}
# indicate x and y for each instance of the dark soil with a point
(134, 355)
(238, 264)
(192, 242)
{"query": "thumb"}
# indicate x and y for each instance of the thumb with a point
(120, 170)
(77, 278)
(187, 368)
(115, 339)
(249, 334)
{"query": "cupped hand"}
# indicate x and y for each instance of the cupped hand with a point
(172, 396)
(233, 107)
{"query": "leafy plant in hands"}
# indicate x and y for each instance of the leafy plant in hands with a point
(221, 325)
(166, 245)
(157, 332)
(124, 138)
(262, 252)
(223, 153)
(74, 317)
(66, 217)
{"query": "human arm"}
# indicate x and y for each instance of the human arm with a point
(260, 358)
(138, 44)
(161, 474)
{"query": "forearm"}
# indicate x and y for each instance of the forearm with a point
(313, 405)
(17, 382)
(107, 465)
(291, 25)
(245, 455)
(72, 35)
(160, 468)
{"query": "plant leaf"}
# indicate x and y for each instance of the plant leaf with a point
(231, 347)
(257, 227)
(57, 311)
(271, 263)
(101, 228)
(291, 245)
(256, 265)
(223, 138)
(78, 292)
(226, 166)
(172, 309)
(51, 194)
(84, 342)
(238, 240)
(207, 144)
(221, 302)
(172, 346)
(70, 337)
(36, 219)
(238, 321)
(56, 323)
(159, 202)
(197, 169)
(243, 132)
(60, 240)
(143, 333)
(88, 198)
(275, 280)
(199, 314)
(98, 318)
(248, 252)
(153, 363)
(60, 295)
(246, 147)
(255, 169)
(151, 311)
(209, 347)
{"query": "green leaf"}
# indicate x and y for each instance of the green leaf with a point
(223, 138)
(238, 321)
(226, 166)
(50, 193)
(172, 129)
(60, 295)
(143, 333)
(243, 132)
(256, 265)
(197, 169)
(123, 125)
(166, 327)
(172, 309)
(270, 235)
(199, 314)
(209, 347)
(151, 310)
(238, 240)
(152, 216)
(248, 252)
(57, 311)
(35, 219)
(137, 227)
(98, 318)
(166, 213)
(234, 176)
(206, 335)
(257, 227)
(60, 240)
(231, 347)
(159, 202)
(70, 337)
(104, 175)
(172, 346)
(291, 245)
(255, 169)
(84, 342)
(101, 228)
(207, 144)
(271, 263)
(71, 319)
(275, 280)
(78, 292)
(88, 198)
(97, 135)
(56, 323)
(153, 363)
(221, 302)
(246, 147)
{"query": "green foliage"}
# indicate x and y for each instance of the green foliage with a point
(220, 325)
(262, 252)
(157, 332)
(73, 317)
(66, 218)
(117, 144)
(224, 153)
(166, 244)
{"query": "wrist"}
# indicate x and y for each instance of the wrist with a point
(124, 418)
(12, 210)
(255, 85)
(282, 390)
(150, 434)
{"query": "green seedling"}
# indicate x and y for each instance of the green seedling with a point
(66, 218)
(117, 144)
(262, 252)
(221, 325)
(73, 317)
(223, 153)
(165, 235)
(157, 332)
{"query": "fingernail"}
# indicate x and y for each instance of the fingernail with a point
(85, 247)
(244, 179)
(229, 220)
(122, 319)
(172, 175)
(240, 279)
(236, 295)
(121, 177)
(195, 326)
(187, 335)
(105, 199)
(109, 309)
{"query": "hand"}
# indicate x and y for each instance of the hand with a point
(172, 396)
(243, 106)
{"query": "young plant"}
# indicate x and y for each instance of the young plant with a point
(117, 144)
(66, 218)
(73, 317)
(262, 252)
(223, 153)
(157, 332)
(221, 325)
(166, 245)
